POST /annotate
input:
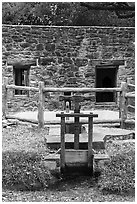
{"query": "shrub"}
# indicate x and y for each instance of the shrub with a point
(24, 171)
(119, 173)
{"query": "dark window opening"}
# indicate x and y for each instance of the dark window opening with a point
(106, 77)
(21, 78)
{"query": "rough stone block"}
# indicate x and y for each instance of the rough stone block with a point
(40, 47)
(50, 47)
(24, 44)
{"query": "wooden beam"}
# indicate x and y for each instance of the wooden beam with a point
(41, 106)
(82, 90)
(130, 106)
(76, 156)
(4, 104)
(62, 155)
(76, 134)
(75, 115)
(130, 95)
(131, 85)
(26, 88)
(64, 89)
(123, 103)
(90, 140)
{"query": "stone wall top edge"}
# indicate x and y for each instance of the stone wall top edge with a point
(40, 26)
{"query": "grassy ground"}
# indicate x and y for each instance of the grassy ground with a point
(28, 138)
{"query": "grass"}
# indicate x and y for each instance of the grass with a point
(24, 149)
(119, 174)
(22, 159)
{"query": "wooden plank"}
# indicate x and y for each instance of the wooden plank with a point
(81, 90)
(131, 85)
(130, 106)
(26, 88)
(4, 104)
(62, 155)
(76, 115)
(76, 134)
(90, 140)
(41, 106)
(65, 89)
(130, 95)
(76, 156)
(101, 157)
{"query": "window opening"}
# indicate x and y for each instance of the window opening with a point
(21, 78)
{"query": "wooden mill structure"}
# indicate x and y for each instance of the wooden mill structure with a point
(74, 158)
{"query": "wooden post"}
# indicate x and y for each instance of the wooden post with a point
(123, 103)
(4, 105)
(90, 139)
(41, 106)
(76, 121)
(76, 134)
(62, 155)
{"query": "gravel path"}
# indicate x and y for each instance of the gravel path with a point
(51, 115)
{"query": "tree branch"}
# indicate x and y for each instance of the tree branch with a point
(116, 7)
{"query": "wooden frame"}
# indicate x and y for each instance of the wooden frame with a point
(88, 160)
(122, 99)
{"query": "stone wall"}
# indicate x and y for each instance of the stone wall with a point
(62, 56)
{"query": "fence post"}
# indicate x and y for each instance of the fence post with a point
(4, 105)
(41, 105)
(123, 104)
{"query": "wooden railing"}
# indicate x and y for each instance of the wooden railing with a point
(123, 97)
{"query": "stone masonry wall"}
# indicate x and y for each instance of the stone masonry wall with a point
(61, 56)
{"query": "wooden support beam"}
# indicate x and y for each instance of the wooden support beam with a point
(76, 134)
(75, 115)
(41, 106)
(76, 156)
(64, 89)
(81, 90)
(4, 104)
(130, 95)
(62, 155)
(90, 139)
(131, 85)
(26, 88)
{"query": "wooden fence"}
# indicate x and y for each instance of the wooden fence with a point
(123, 98)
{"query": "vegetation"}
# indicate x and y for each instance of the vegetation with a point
(69, 13)
(25, 178)
(24, 171)
(22, 159)
(119, 174)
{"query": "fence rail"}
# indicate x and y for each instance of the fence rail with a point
(64, 89)
(131, 85)
(123, 97)
(130, 95)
